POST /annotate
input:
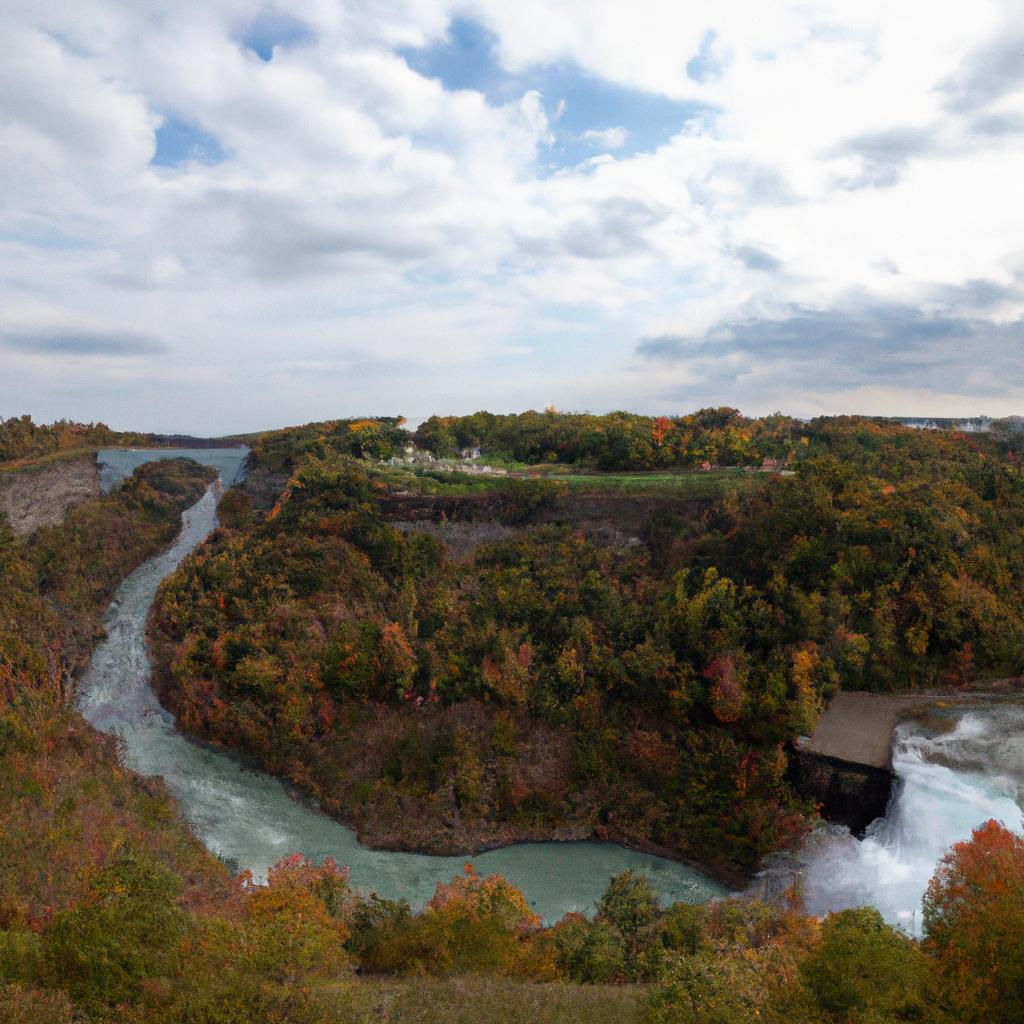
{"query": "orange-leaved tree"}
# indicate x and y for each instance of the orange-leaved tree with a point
(974, 925)
(473, 923)
(297, 923)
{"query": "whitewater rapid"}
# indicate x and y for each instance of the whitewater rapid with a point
(252, 820)
(953, 774)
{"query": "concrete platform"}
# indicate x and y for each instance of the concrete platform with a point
(845, 766)
(858, 727)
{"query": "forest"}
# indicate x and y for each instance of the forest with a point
(615, 441)
(644, 691)
(22, 439)
(648, 692)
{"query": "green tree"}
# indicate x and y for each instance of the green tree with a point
(126, 929)
(864, 970)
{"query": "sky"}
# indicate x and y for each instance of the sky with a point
(221, 216)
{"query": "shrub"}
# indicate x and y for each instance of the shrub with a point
(472, 924)
(629, 903)
(746, 988)
(528, 498)
(297, 923)
(126, 929)
(863, 966)
(588, 951)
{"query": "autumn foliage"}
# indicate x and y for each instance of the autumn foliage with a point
(974, 921)
(644, 691)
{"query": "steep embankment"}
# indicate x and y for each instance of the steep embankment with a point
(65, 804)
(41, 495)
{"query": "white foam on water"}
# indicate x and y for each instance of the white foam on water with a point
(948, 784)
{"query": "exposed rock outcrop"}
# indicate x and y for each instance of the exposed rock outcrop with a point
(40, 496)
(263, 487)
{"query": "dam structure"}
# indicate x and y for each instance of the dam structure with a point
(845, 765)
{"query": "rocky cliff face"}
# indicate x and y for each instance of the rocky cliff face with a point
(37, 497)
(850, 794)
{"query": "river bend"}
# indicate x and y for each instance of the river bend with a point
(253, 820)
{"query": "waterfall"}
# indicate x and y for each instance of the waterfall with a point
(953, 773)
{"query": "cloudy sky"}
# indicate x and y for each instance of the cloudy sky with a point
(220, 215)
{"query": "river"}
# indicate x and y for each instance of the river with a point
(252, 820)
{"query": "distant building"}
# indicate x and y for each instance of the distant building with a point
(771, 465)
(470, 453)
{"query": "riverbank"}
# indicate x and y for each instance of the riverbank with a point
(507, 837)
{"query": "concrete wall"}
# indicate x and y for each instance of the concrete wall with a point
(849, 794)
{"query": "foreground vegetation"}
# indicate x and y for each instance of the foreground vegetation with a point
(306, 949)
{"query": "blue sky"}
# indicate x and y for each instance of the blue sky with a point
(582, 108)
(178, 142)
(220, 215)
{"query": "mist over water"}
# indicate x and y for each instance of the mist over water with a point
(953, 776)
(253, 820)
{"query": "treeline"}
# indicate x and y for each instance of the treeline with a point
(618, 440)
(20, 438)
(369, 438)
(648, 693)
(719, 437)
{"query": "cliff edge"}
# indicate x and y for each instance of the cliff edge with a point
(40, 495)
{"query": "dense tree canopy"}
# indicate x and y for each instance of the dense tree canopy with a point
(618, 440)
(647, 691)
(648, 688)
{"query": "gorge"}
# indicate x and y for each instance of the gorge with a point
(252, 820)
(957, 770)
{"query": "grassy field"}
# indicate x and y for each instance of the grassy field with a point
(717, 482)
(437, 481)
(688, 484)
(480, 1000)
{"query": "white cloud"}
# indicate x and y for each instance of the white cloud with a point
(365, 218)
(605, 138)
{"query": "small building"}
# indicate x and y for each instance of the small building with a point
(470, 453)
(771, 465)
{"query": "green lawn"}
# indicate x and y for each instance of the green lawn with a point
(688, 484)
(695, 484)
